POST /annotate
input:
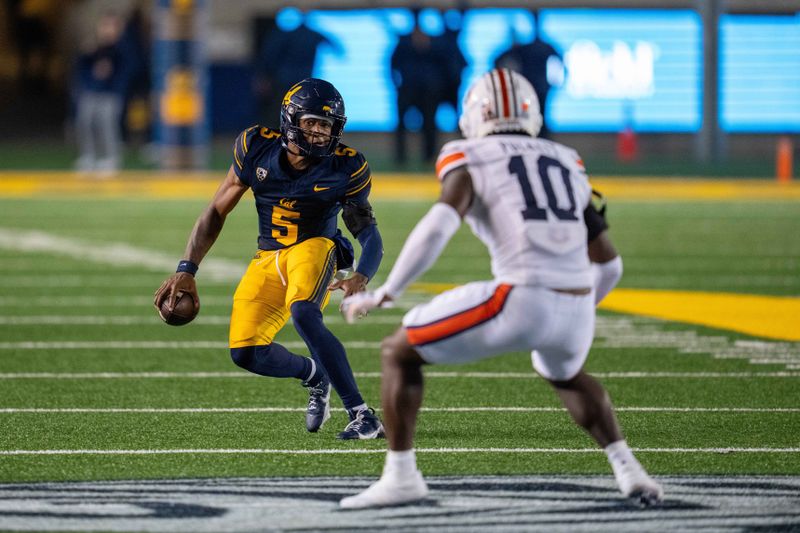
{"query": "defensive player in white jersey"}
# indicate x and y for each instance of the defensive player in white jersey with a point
(525, 198)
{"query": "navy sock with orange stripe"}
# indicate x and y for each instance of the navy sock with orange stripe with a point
(327, 351)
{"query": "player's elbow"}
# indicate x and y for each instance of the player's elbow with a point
(371, 251)
(606, 277)
(611, 270)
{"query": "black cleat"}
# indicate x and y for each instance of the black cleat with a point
(364, 425)
(319, 404)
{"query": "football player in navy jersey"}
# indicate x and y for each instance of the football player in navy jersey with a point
(301, 177)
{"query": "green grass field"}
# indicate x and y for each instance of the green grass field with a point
(87, 366)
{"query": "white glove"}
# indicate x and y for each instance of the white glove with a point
(359, 304)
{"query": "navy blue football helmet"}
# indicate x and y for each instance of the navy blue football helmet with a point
(318, 98)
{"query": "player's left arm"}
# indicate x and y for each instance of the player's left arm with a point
(606, 261)
(359, 218)
(422, 247)
(360, 221)
(430, 236)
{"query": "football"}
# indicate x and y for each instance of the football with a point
(181, 314)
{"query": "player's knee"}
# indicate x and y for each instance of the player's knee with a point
(395, 350)
(305, 313)
(560, 371)
(388, 351)
(243, 357)
(564, 382)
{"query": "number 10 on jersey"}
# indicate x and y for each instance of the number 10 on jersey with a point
(533, 211)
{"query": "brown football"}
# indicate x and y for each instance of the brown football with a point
(181, 314)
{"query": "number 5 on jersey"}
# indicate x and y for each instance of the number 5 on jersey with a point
(284, 229)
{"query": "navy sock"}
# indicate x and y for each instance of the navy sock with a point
(327, 351)
(275, 361)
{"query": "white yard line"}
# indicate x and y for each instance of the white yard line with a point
(153, 345)
(116, 254)
(138, 320)
(361, 451)
(212, 410)
(100, 302)
(612, 332)
(440, 375)
(91, 279)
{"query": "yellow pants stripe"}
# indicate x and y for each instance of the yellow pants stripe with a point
(321, 288)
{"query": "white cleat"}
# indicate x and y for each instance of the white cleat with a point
(387, 491)
(635, 484)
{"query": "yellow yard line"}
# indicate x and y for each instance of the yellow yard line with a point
(696, 189)
(389, 186)
(650, 189)
(127, 184)
(772, 317)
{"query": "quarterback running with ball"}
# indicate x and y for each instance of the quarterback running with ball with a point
(529, 201)
(302, 177)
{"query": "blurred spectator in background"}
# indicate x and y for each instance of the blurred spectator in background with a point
(102, 76)
(135, 45)
(30, 31)
(453, 61)
(531, 60)
(287, 54)
(420, 75)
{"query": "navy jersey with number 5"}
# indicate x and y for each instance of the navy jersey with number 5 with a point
(297, 205)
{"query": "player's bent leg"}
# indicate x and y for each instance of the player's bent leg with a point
(273, 360)
(310, 266)
(276, 361)
(259, 312)
(401, 394)
(330, 353)
(327, 349)
(590, 407)
(401, 389)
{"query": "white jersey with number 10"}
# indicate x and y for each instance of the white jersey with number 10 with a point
(528, 206)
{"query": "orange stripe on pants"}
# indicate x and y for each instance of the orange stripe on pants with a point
(455, 324)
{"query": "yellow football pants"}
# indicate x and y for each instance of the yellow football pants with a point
(275, 280)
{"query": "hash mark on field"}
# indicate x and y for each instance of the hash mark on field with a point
(211, 410)
(362, 451)
(640, 332)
